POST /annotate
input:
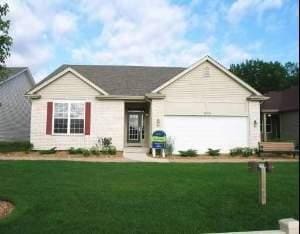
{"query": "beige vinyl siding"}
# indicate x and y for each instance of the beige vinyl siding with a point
(107, 120)
(68, 86)
(107, 117)
(254, 129)
(196, 93)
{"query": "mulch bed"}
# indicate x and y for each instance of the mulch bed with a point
(58, 154)
(5, 208)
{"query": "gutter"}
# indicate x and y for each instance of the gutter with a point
(257, 98)
(33, 96)
(120, 97)
(146, 97)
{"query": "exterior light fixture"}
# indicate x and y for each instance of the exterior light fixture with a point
(255, 123)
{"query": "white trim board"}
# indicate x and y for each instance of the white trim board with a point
(215, 63)
(57, 76)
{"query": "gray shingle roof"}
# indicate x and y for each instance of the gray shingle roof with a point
(123, 80)
(285, 100)
(7, 72)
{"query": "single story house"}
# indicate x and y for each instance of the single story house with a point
(200, 107)
(15, 109)
(280, 116)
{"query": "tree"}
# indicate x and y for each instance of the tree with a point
(293, 73)
(5, 39)
(267, 76)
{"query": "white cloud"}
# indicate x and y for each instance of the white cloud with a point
(241, 8)
(233, 54)
(63, 23)
(34, 56)
(140, 32)
(35, 25)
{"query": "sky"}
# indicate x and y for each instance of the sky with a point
(48, 33)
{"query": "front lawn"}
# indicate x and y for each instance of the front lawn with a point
(73, 197)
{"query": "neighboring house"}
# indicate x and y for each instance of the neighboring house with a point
(200, 107)
(15, 108)
(281, 116)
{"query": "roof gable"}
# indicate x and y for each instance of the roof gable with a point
(64, 70)
(217, 65)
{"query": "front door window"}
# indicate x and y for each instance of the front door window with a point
(135, 128)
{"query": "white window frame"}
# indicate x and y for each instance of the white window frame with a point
(69, 118)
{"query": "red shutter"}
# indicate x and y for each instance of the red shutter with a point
(49, 118)
(87, 118)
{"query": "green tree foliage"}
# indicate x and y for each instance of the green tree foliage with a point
(267, 76)
(5, 39)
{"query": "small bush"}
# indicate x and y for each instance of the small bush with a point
(188, 153)
(72, 150)
(213, 152)
(109, 150)
(85, 152)
(236, 151)
(247, 152)
(105, 141)
(49, 151)
(112, 150)
(243, 151)
(95, 151)
(16, 146)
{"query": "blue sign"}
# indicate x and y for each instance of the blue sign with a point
(159, 139)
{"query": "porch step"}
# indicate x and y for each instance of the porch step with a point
(136, 150)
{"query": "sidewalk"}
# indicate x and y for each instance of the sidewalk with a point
(137, 158)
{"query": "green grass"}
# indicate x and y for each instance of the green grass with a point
(73, 197)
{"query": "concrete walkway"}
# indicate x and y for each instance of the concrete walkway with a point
(140, 155)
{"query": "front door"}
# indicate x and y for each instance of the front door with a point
(135, 127)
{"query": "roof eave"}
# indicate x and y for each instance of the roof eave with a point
(257, 98)
(119, 97)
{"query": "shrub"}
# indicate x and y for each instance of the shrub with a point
(106, 141)
(170, 146)
(112, 150)
(213, 152)
(244, 151)
(95, 151)
(83, 151)
(72, 150)
(236, 151)
(49, 151)
(188, 153)
(86, 152)
(109, 150)
(15, 146)
(247, 152)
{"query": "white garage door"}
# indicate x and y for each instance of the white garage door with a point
(201, 133)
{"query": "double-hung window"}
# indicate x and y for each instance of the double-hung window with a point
(68, 118)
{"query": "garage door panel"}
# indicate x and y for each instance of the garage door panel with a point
(201, 133)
